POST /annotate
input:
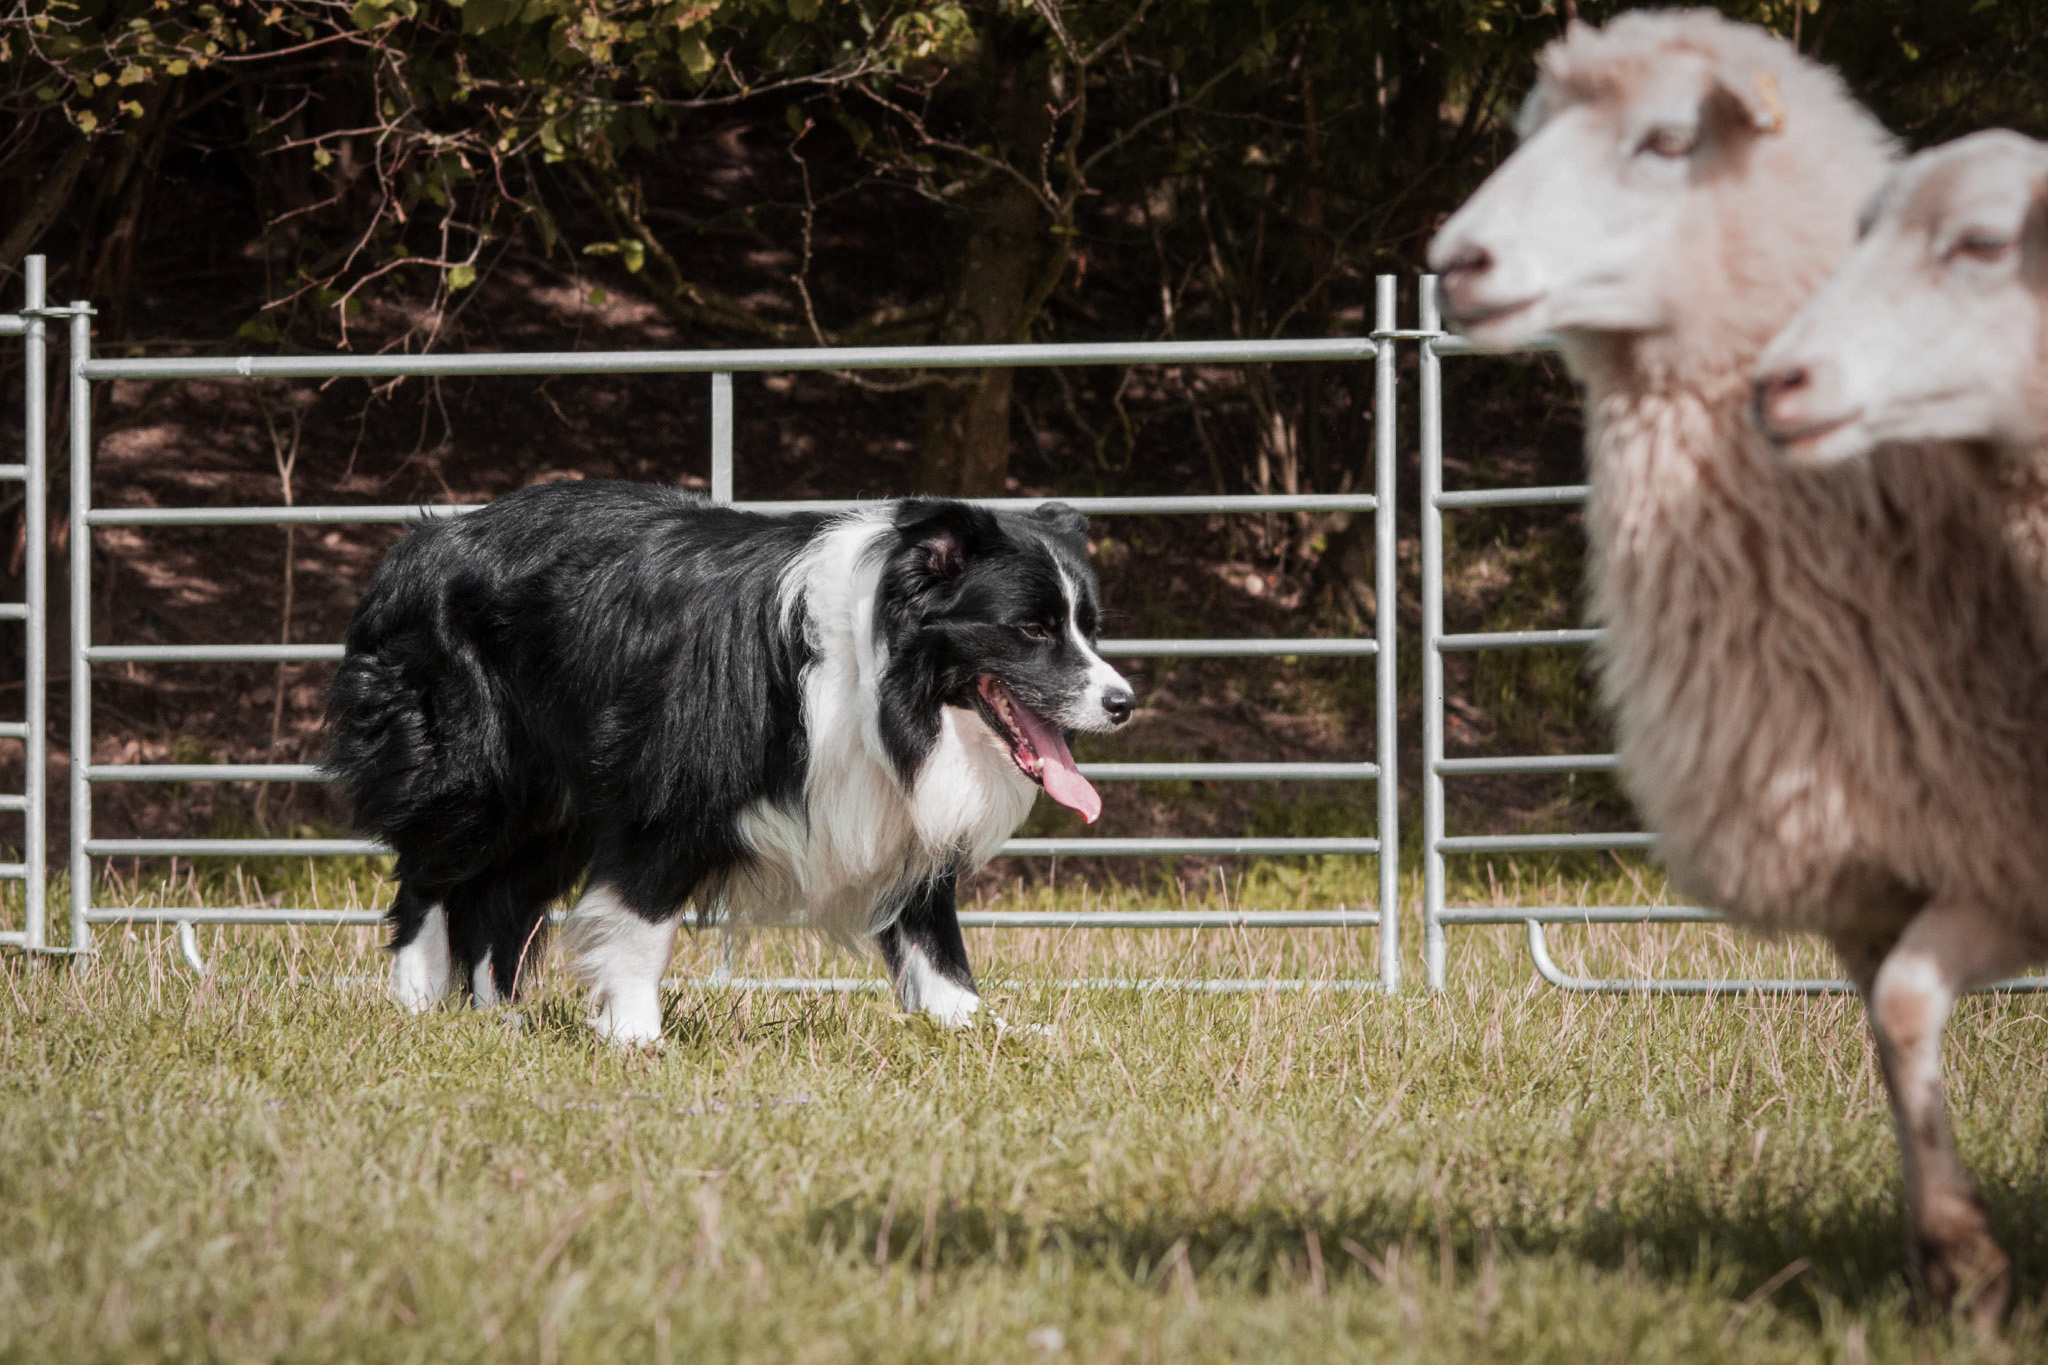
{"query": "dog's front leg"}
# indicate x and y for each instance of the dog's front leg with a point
(927, 957)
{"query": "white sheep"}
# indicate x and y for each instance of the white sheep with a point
(1935, 330)
(1827, 701)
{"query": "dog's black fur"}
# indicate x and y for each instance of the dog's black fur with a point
(599, 678)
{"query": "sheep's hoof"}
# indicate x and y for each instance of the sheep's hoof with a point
(1965, 1274)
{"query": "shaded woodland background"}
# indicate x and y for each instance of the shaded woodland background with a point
(315, 175)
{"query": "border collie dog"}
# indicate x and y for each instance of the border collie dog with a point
(783, 720)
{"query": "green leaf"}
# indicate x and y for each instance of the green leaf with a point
(260, 332)
(481, 16)
(598, 298)
(460, 277)
(369, 13)
(634, 254)
(696, 57)
(132, 74)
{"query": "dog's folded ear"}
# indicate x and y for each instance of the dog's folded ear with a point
(942, 535)
(1063, 521)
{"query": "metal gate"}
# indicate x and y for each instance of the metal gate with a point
(1383, 843)
(1437, 917)
(31, 325)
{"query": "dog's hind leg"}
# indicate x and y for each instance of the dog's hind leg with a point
(927, 957)
(422, 969)
(495, 917)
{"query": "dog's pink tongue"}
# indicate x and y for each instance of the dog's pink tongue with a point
(1063, 781)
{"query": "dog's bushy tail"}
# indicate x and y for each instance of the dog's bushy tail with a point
(382, 748)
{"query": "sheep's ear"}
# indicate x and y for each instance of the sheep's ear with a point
(1753, 98)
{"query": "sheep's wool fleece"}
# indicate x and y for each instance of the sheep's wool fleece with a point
(1829, 691)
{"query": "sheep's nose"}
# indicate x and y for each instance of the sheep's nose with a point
(1464, 270)
(1777, 391)
(1117, 704)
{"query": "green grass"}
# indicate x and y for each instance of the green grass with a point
(273, 1164)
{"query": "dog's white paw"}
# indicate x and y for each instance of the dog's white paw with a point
(421, 973)
(955, 1013)
(629, 1020)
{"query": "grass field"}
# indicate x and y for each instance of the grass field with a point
(272, 1164)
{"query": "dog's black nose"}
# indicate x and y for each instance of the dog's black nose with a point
(1117, 704)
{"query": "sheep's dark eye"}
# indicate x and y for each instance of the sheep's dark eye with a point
(1979, 246)
(1035, 633)
(1668, 140)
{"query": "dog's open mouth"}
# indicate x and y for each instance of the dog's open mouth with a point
(1037, 749)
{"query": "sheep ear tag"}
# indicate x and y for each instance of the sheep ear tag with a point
(1769, 114)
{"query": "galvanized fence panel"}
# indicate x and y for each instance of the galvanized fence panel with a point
(1437, 845)
(1383, 843)
(31, 325)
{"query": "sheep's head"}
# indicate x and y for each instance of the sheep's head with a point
(1629, 208)
(1933, 328)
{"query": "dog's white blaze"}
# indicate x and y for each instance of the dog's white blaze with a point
(840, 865)
(921, 986)
(421, 974)
(1087, 713)
(483, 987)
(621, 957)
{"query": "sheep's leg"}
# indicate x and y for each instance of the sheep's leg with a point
(1908, 995)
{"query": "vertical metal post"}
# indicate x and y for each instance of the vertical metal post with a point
(35, 533)
(1386, 690)
(81, 627)
(721, 436)
(1432, 431)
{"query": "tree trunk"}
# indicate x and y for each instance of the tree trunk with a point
(965, 448)
(999, 285)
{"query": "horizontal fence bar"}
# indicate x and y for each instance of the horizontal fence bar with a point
(205, 772)
(13, 611)
(13, 872)
(1352, 647)
(1231, 772)
(1580, 914)
(1101, 772)
(341, 848)
(1515, 497)
(278, 515)
(14, 802)
(1169, 919)
(313, 514)
(1530, 763)
(212, 654)
(204, 914)
(750, 360)
(1123, 649)
(1542, 843)
(13, 729)
(1517, 639)
(1175, 847)
(12, 325)
(1547, 968)
(17, 472)
(236, 848)
(850, 985)
(1450, 343)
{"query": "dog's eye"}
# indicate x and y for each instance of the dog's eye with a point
(1668, 140)
(1979, 246)
(1035, 633)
